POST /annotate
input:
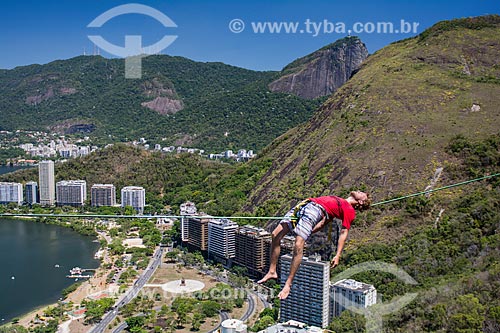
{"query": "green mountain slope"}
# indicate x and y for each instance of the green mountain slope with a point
(385, 130)
(205, 105)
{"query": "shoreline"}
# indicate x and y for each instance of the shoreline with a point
(45, 220)
(23, 315)
(85, 289)
(27, 317)
(76, 296)
(8, 217)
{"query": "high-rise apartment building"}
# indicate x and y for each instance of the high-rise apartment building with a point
(187, 208)
(350, 293)
(47, 183)
(11, 193)
(135, 197)
(198, 233)
(252, 250)
(31, 193)
(103, 195)
(308, 300)
(222, 240)
(71, 193)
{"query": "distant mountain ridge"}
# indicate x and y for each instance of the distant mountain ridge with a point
(323, 71)
(206, 105)
(177, 101)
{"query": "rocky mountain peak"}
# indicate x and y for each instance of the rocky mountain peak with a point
(323, 71)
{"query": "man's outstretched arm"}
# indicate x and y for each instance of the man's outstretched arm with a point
(340, 246)
(298, 251)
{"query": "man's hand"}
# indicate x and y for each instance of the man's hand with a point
(335, 261)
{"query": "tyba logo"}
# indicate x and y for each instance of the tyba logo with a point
(133, 51)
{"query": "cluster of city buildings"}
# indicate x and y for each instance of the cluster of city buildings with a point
(65, 149)
(314, 300)
(41, 145)
(57, 148)
(47, 192)
(241, 156)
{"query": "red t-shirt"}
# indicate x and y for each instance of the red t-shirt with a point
(346, 213)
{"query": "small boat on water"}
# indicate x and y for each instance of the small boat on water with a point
(57, 266)
(76, 271)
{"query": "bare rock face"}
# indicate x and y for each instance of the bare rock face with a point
(165, 99)
(67, 90)
(164, 105)
(322, 72)
(72, 126)
(80, 128)
(37, 99)
(155, 88)
(49, 93)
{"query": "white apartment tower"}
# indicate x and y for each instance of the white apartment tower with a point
(103, 195)
(308, 300)
(47, 183)
(222, 239)
(71, 193)
(346, 293)
(11, 193)
(187, 208)
(135, 197)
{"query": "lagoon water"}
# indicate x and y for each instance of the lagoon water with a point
(29, 253)
(7, 169)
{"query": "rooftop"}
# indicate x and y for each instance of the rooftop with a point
(292, 326)
(133, 188)
(354, 285)
(71, 182)
(252, 230)
(233, 323)
(225, 223)
(102, 185)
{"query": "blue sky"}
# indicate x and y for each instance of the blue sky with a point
(40, 31)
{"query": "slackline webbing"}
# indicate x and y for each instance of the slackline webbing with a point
(435, 190)
(233, 217)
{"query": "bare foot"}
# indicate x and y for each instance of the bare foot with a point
(268, 276)
(284, 292)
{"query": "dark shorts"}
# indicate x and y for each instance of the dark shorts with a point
(308, 216)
